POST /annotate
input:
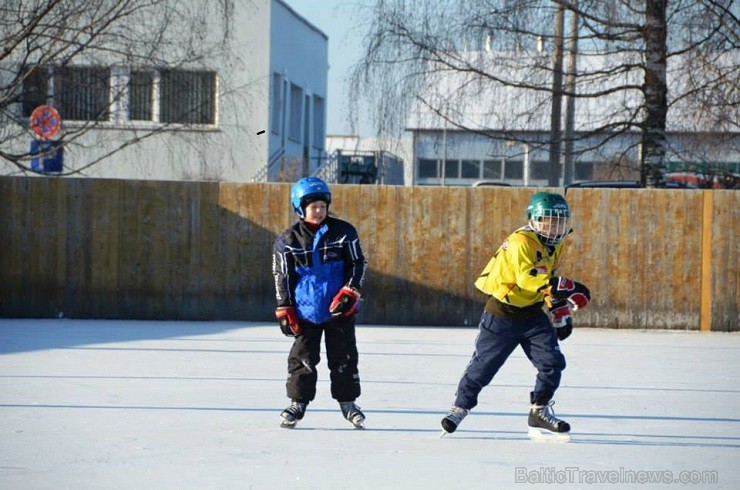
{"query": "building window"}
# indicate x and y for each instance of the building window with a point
(81, 93)
(277, 103)
(120, 94)
(584, 171)
(470, 169)
(539, 170)
(513, 170)
(35, 90)
(492, 169)
(306, 119)
(452, 169)
(187, 97)
(296, 111)
(318, 122)
(141, 96)
(427, 169)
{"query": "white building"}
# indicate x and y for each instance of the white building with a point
(246, 86)
(466, 127)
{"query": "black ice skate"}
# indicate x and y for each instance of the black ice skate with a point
(453, 419)
(353, 413)
(292, 414)
(544, 426)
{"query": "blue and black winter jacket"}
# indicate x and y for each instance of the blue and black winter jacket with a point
(310, 268)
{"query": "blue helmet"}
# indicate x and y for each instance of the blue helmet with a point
(306, 191)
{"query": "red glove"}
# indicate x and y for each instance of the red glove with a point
(345, 302)
(561, 319)
(288, 320)
(576, 293)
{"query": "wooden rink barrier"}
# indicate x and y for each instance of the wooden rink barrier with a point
(169, 250)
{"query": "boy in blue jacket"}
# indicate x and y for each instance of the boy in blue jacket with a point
(319, 268)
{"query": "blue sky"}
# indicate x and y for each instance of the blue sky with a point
(338, 19)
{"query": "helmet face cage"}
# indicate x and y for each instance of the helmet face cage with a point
(550, 224)
(308, 190)
(549, 217)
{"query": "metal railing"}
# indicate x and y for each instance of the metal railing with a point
(328, 171)
(263, 174)
(338, 167)
(361, 167)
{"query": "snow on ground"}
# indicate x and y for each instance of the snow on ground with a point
(136, 404)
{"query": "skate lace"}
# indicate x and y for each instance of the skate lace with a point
(547, 413)
(457, 414)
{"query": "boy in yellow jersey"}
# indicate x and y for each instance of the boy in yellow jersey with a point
(519, 281)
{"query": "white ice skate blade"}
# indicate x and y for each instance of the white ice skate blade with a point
(544, 435)
(285, 424)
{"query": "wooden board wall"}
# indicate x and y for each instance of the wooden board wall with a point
(94, 248)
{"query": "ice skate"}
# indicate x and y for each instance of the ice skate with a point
(292, 414)
(353, 413)
(453, 419)
(544, 426)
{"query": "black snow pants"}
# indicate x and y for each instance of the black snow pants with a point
(341, 355)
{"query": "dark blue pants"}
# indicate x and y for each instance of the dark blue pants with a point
(497, 339)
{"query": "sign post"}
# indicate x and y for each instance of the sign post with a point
(48, 155)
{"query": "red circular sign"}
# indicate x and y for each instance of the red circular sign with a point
(45, 121)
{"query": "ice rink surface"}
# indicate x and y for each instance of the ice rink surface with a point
(157, 405)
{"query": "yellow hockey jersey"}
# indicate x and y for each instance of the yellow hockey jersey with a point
(519, 272)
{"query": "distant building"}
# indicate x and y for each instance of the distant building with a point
(258, 98)
(506, 134)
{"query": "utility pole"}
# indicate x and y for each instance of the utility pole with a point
(570, 108)
(557, 98)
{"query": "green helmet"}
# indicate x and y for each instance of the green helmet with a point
(549, 217)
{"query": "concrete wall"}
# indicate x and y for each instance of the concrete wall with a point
(300, 56)
(102, 248)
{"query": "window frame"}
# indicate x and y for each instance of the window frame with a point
(118, 98)
(319, 130)
(426, 164)
(73, 96)
(513, 170)
(295, 121)
(489, 166)
(189, 78)
(469, 164)
(276, 103)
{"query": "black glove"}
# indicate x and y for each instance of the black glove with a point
(288, 320)
(561, 319)
(574, 292)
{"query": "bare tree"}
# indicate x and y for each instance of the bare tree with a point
(63, 51)
(638, 61)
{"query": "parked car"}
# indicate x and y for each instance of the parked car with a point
(719, 180)
(490, 183)
(623, 184)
